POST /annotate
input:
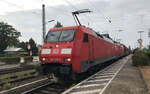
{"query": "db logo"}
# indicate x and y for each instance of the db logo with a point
(55, 51)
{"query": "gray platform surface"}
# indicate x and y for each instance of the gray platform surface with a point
(127, 81)
(7, 66)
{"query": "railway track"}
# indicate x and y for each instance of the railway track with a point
(18, 74)
(51, 88)
(27, 86)
(95, 84)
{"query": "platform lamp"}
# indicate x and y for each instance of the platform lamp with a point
(119, 32)
(46, 24)
(49, 21)
(149, 36)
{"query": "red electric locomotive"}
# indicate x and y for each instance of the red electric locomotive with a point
(68, 51)
(73, 50)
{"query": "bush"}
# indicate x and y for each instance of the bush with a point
(147, 52)
(14, 60)
(10, 59)
(140, 58)
(28, 59)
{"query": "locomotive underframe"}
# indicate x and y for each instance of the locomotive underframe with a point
(59, 70)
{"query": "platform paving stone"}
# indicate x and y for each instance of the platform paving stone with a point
(127, 81)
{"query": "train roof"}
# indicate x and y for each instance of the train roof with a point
(88, 30)
(64, 28)
(83, 28)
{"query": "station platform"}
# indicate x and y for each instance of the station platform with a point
(9, 66)
(128, 81)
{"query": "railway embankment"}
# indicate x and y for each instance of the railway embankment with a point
(128, 81)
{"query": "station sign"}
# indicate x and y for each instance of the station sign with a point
(140, 41)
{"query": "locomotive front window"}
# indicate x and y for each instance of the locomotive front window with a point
(67, 35)
(60, 36)
(53, 36)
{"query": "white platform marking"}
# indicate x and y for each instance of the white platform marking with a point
(103, 76)
(98, 80)
(91, 85)
(87, 91)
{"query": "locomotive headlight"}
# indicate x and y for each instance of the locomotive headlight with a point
(66, 51)
(46, 51)
(43, 59)
(68, 59)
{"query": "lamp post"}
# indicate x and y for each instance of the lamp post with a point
(119, 35)
(49, 22)
(45, 28)
(140, 32)
(43, 21)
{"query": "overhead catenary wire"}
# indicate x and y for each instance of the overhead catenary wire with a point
(69, 3)
(20, 7)
(99, 11)
(111, 25)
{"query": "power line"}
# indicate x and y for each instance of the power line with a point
(18, 6)
(69, 3)
(99, 11)
(59, 10)
(106, 18)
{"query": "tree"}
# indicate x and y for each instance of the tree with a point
(58, 24)
(8, 36)
(34, 49)
(23, 45)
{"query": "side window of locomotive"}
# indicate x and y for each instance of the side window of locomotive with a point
(85, 37)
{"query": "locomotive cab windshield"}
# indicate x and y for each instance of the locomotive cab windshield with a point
(60, 36)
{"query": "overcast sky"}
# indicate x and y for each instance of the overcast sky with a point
(129, 16)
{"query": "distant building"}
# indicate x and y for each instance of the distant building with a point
(14, 51)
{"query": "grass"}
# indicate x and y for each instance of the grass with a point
(19, 75)
(145, 70)
(7, 85)
(15, 60)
